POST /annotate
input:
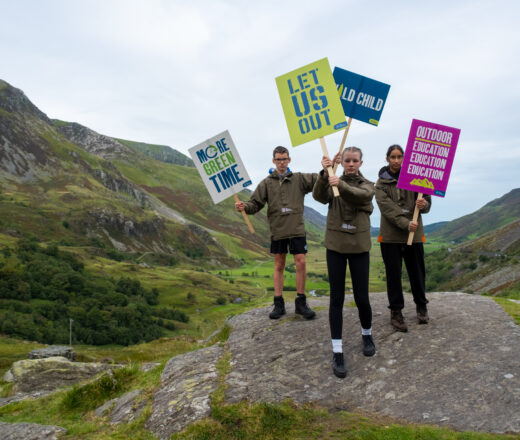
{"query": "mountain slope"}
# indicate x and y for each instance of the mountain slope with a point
(53, 172)
(487, 264)
(162, 153)
(491, 216)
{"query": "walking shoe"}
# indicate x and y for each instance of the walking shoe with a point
(422, 314)
(279, 308)
(397, 320)
(369, 348)
(338, 365)
(301, 307)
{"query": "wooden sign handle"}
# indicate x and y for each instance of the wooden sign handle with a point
(246, 218)
(415, 217)
(345, 133)
(330, 170)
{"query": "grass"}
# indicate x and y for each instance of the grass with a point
(93, 394)
(512, 308)
(12, 350)
(287, 420)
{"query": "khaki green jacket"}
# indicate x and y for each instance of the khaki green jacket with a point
(348, 219)
(284, 197)
(397, 207)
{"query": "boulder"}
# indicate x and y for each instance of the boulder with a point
(461, 370)
(52, 351)
(50, 373)
(187, 382)
(30, 431)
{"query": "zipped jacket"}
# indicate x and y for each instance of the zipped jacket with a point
(284, 197)
(348, 218)
(397, 207)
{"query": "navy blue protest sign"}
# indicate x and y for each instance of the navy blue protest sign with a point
(362, 98)
(220, 166)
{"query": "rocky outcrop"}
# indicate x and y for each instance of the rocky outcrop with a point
(30, 375)
(121, 185)
(24, 154)
(52, 351)
(95, 143)
(13, 100)
(461, 370)
(183, 398)
(123, 409)
(30, 431)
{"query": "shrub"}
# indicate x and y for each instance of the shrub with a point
(92, 395)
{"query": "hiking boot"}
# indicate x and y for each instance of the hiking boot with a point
(279, 308)
(301, 307)
(422, 314)
(369, 348)
(338, 365)
(397, 320)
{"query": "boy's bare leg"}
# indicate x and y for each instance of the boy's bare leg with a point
(301, 272)
(279, 266)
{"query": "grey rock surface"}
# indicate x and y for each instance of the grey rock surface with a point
(183, 398)
(30, 375)
(52, 351)
(461, 370)
(18, 397)
(149, 366)
(30, 431)
(123, 409)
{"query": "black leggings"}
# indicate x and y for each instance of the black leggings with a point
(359, 268)
(413, 256)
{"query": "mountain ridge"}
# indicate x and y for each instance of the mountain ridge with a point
(493, 215)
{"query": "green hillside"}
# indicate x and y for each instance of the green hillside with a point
(491, 216)
(162, 153)
(488, 264)
(67, 192)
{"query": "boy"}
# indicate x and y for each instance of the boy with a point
(284, 192)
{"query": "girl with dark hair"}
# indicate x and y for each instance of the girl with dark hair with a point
(347, 238)
(397, 207)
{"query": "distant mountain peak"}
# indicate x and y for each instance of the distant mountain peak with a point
(13, 100)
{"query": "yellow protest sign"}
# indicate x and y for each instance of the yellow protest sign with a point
(310, 102)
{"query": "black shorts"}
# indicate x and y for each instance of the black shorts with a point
(297, 245)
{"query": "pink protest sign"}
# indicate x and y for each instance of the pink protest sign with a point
(428, 158)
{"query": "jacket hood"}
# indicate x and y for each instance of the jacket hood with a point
(384, 174)
(274, 173)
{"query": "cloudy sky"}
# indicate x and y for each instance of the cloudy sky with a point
(178, 72)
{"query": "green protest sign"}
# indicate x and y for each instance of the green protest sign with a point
(310, 102)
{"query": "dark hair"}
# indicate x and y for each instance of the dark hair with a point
(392, 148)
(280, 150)
(352, 150)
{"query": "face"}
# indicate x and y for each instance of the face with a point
(395, 160)
(351, 162)
(281, 162)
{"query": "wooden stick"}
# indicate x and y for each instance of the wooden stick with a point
(246, 218)
(415, 217)
(330, 170)
(345, 133)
